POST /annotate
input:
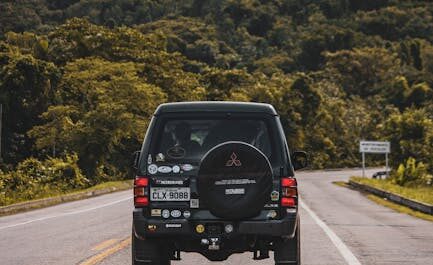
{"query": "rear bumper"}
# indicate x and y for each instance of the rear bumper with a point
(149, 227)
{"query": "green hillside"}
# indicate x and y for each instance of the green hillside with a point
(80, 79)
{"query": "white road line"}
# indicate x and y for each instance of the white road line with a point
(65, 214)
(338, 243)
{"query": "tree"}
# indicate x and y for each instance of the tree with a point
(105, 112)
(411, 135)
(26, 90)
(318, 39)
(396, 23)
(364, 72)
(59, 123)
(367, 4)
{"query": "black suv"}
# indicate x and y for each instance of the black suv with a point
(215, 178)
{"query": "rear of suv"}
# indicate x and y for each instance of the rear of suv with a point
(215, 178)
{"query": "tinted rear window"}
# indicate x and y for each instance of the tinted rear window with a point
(188, 140)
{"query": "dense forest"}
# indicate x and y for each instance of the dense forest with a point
(79, 79)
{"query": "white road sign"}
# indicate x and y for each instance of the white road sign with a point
(375, 147)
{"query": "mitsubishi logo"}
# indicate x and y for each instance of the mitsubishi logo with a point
(233, 161)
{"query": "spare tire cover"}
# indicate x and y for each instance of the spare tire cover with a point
(234, 180)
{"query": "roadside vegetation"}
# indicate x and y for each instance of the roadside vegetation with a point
(419, 193)
(411, 180)
(33, 179)
(79, 80)
(415, 192)
(400, 208)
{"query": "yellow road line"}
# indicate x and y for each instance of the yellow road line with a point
(105, 244)
(108, 252)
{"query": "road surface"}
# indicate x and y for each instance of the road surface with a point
(338, 226)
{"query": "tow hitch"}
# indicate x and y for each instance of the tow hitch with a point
(176, 255)
(212, 243)
(261, 254)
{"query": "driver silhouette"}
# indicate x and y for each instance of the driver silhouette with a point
(182, 133)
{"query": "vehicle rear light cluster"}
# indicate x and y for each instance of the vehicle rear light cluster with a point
(141, 185)
(289, 192)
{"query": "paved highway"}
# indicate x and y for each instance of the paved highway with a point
(338, 226)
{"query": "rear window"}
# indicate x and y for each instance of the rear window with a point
(188, 140)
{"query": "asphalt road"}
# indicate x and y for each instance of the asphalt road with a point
(338, 226)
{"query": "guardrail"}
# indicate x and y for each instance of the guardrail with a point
(415, 205)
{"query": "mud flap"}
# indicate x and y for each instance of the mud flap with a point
(288, 251)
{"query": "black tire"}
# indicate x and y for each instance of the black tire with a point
(289, 251)
(234, 180)
(148, 252)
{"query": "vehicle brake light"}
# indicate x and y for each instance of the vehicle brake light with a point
(141, 201)
(141, 191)
(288, 182)
(288, 202)
(289, 192)
(141, 181)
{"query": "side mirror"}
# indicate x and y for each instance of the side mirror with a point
(299, 160)
(136, 159)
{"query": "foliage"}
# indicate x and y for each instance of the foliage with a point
(396, 23)
(26, 90)
(418, 193)
(106, 110)
(412, 173)
(411, 135)
(84, 76)
(364, 72)
(33, 178)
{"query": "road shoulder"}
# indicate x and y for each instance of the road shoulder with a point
(97, 190)
(385, 202)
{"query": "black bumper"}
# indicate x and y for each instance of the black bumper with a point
(149, 227)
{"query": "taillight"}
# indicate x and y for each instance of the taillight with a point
(141, 185)
(289, 192)
(288, 202)
(288, 182)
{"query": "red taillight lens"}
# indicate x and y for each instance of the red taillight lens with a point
(288, 202)
(141, 182)
(141, 201)
(289, 192)
(288, 182)
(140, 191)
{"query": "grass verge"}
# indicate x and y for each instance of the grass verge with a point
(50, 199)
(421, 194)
(384, 202)
(399, 208)
(118, 185)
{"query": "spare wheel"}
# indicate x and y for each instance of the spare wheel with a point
(234, 180)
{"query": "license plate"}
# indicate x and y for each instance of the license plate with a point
(169, 194)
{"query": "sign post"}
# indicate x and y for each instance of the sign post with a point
(386, 167)
(374, 147)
